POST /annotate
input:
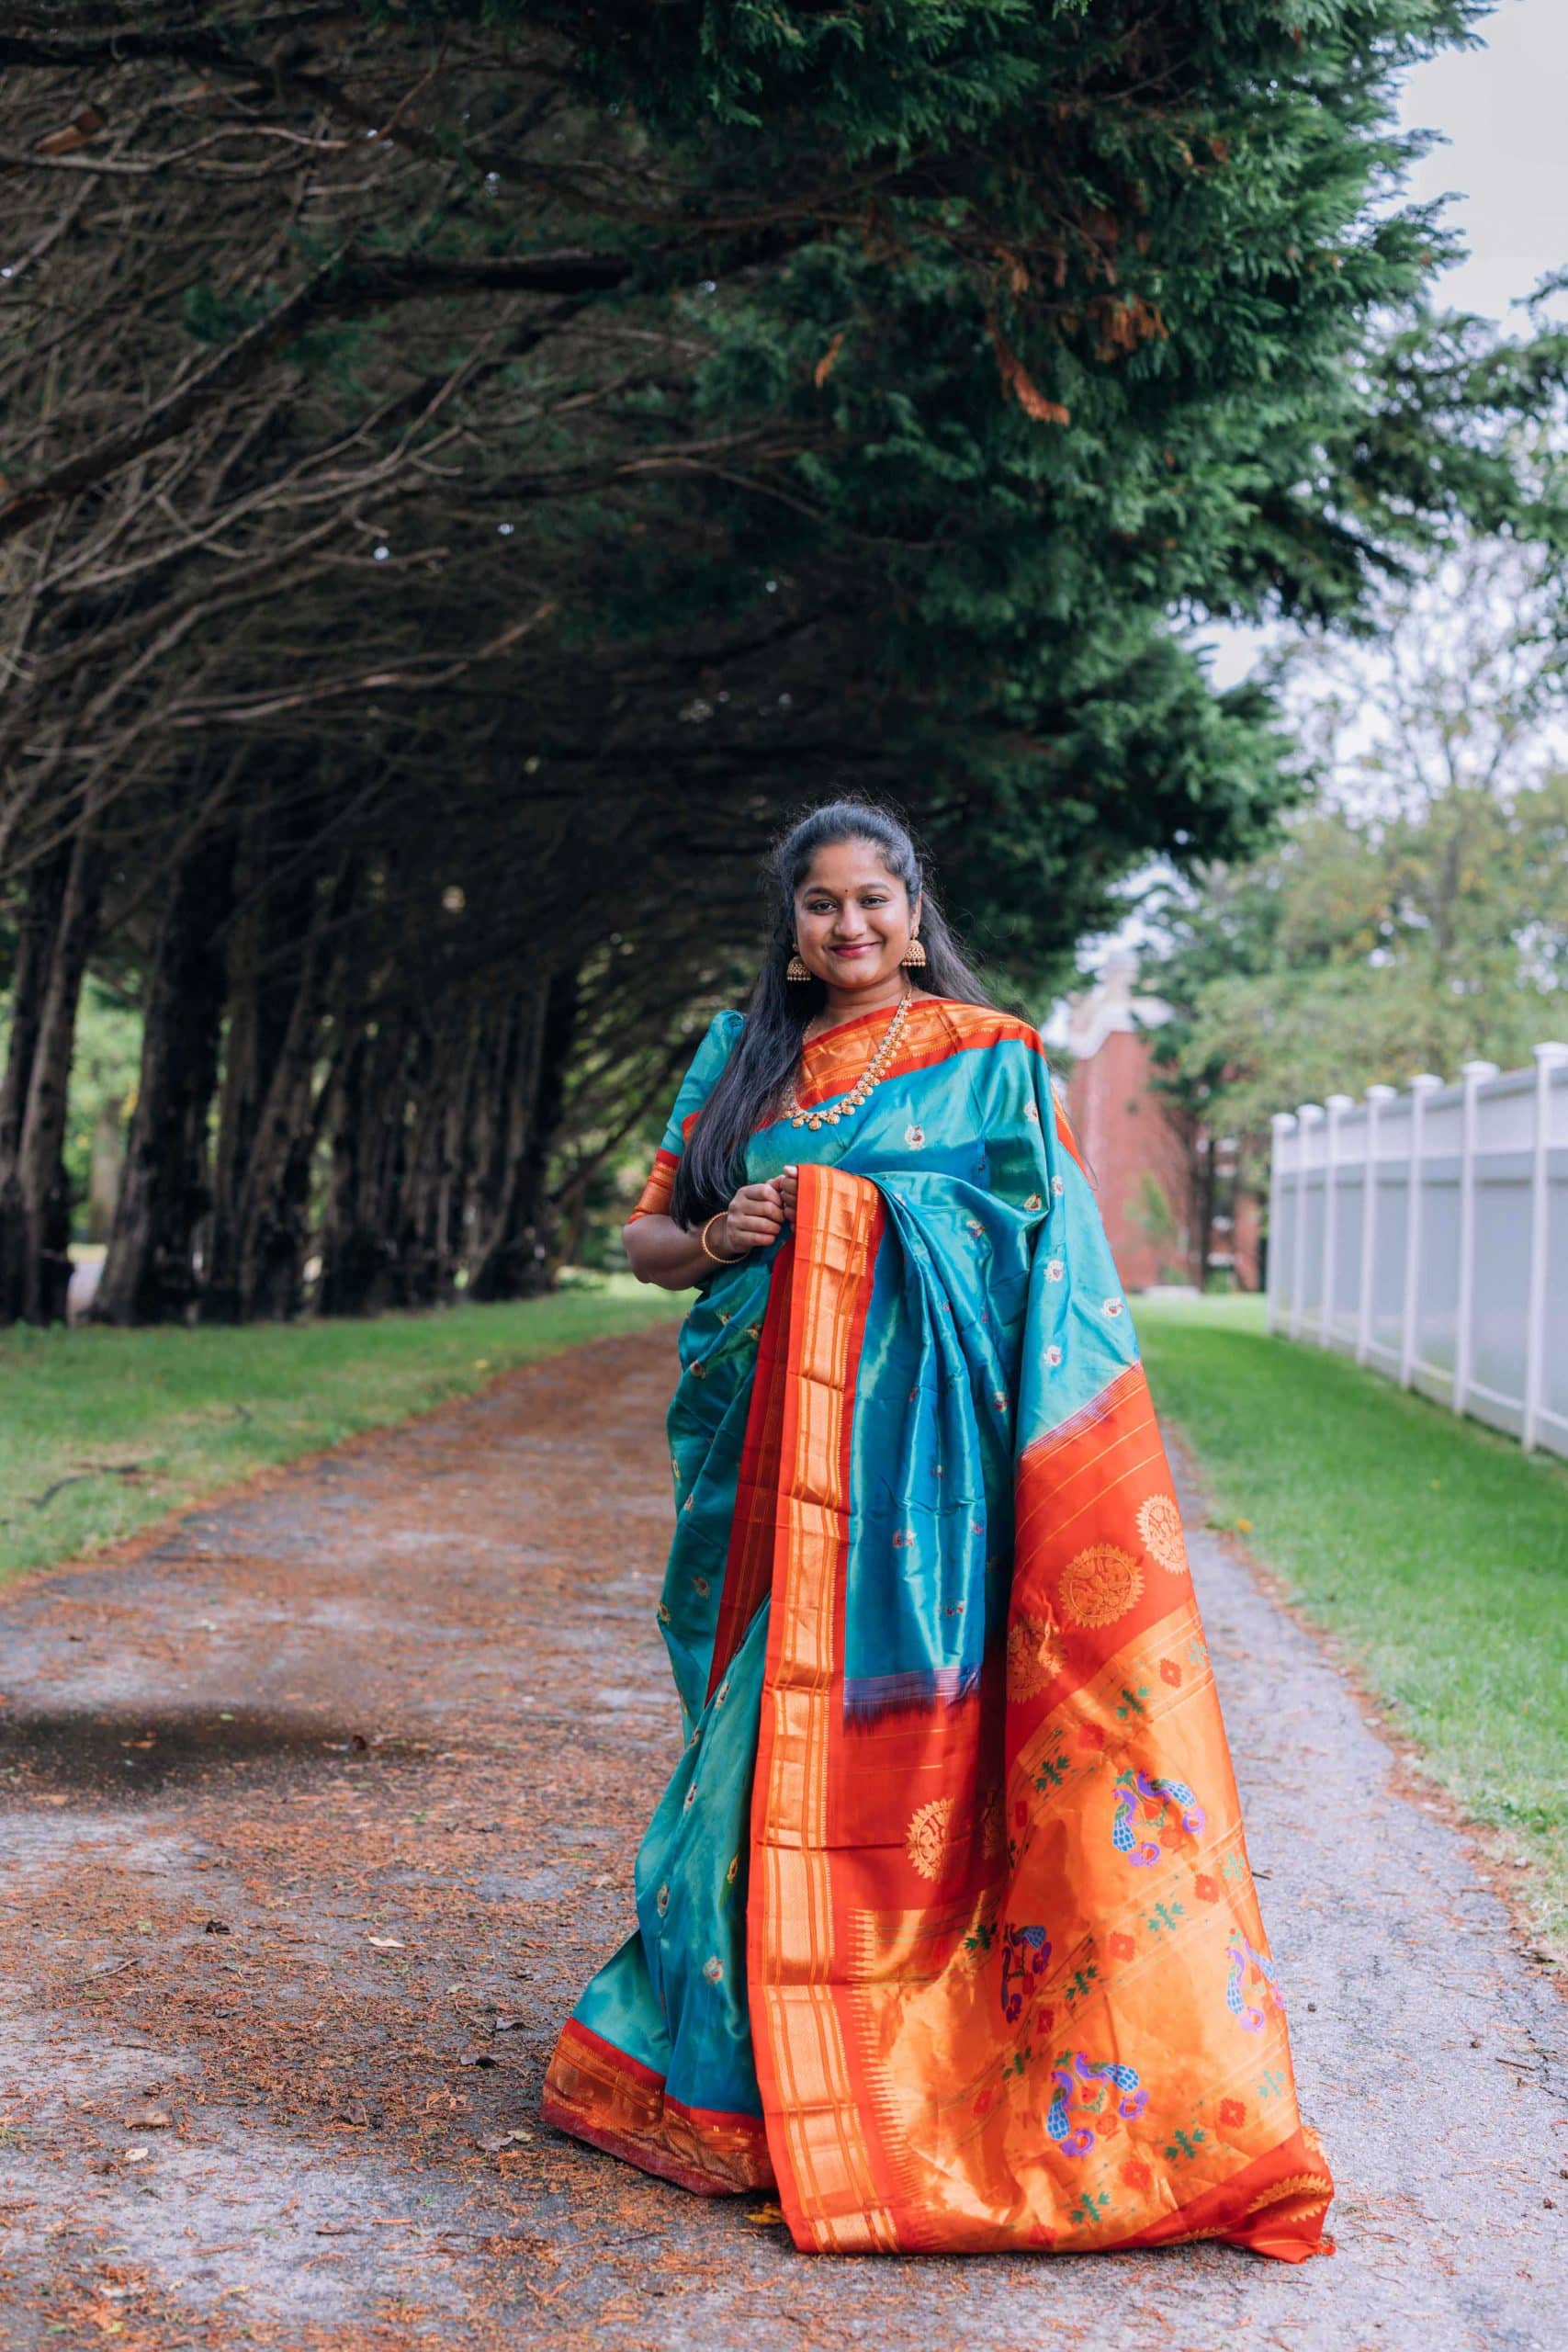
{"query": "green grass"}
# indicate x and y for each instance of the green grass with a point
(1436, 1550)
(196, 1409)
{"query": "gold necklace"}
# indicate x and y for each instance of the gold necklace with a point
(869, 1077)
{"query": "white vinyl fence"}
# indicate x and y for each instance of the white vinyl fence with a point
(1426, 1234)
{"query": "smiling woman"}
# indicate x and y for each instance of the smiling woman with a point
(846, 938)
(945, 1923)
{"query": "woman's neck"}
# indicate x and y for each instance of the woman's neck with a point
(844, 1004)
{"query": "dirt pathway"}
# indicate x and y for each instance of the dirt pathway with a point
(317, 1813)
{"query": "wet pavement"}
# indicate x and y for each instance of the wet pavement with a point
(318, 1810)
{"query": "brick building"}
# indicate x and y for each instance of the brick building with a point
(1149, 1172)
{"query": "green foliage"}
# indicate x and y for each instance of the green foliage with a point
(1417, 917)
(1341, 1478)
(631, 422)
(1054, 323)
(211, 317)
(1355, 953)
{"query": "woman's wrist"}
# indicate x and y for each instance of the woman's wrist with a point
(716, 1242)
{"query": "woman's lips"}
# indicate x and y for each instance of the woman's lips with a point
(863, 949)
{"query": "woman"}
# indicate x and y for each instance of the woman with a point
(945, 1922)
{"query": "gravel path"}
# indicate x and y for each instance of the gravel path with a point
(318, 1810)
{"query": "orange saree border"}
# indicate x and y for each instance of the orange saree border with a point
(822, 2154)
(598, 2093)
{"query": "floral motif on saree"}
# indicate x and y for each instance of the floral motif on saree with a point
(945, 1921)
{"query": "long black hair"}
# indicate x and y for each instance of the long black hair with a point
(713, 1165)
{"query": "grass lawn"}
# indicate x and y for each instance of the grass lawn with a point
(1436, 1550)
(194, 1409)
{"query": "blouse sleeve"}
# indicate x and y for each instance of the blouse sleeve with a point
(695, 1087)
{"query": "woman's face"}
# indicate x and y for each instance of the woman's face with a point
(853, 919)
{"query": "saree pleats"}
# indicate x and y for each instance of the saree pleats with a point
(947, 1920)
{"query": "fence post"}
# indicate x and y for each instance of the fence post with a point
(1281, 1124)
(1475, 1075)
(1307, 1118)
(1337, 1106)
(1376, 1097)
(1548, 1059)
(1421, 1085)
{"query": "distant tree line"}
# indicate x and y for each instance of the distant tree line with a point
(472, 470)
(1413, 915)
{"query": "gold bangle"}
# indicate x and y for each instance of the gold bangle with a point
(703, 1237)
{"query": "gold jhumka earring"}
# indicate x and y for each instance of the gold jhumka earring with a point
(913, 953)
(795, 971)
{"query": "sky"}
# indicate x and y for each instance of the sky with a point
(1501, 107)
(1499, 110)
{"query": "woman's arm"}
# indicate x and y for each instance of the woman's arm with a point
(659, 1250)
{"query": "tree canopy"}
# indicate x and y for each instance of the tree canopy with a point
(474, 469)
(1417, 916)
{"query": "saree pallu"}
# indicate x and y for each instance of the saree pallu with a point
(945, 1922)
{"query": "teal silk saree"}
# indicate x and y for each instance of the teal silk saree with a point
(945, 1922)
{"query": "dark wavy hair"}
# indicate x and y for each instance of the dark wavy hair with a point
(713, 1165)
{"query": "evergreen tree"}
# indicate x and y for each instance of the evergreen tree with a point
(480, 465)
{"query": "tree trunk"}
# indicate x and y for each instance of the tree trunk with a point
(36, 1185)
(150, 1272)
(518, 1259)
(361, 1270)
(35, 947)
(268, 1126)
(430, 1240)
(1204, 1204)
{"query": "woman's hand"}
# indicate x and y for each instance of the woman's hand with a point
(659, 1250)
(755, 1217)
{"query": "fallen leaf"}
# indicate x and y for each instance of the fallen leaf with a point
(493, 2141)
(151, 2119)
(477, 2058)
(217, 1928)
(385, 1943)
(764, 2216)
(137, 2156)
(75, 133)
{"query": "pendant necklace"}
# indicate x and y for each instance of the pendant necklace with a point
(869, 1077)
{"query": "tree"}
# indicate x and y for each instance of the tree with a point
(462, 453)
(1415, 915)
